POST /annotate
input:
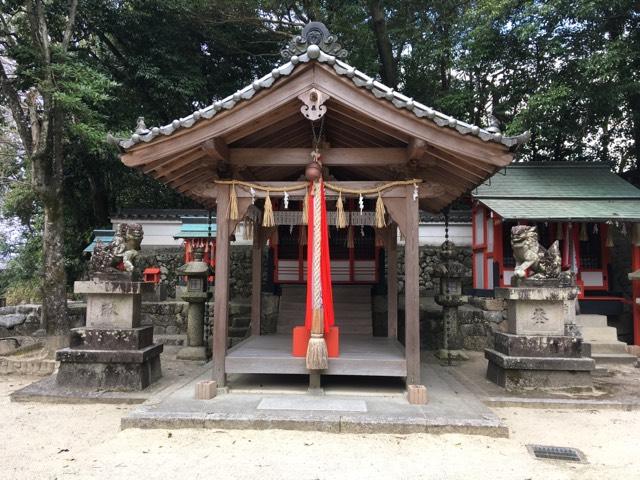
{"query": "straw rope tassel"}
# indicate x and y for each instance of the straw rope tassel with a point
(317, 354)
(584, 236)
(305, 208)
(609, 241)
(341, 219)
(303, 236)
(233, 203)
(380, 223)
(268, 220)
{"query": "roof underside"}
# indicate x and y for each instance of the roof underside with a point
(254, 137)
(559, 192)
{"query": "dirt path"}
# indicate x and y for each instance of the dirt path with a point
(51, 441)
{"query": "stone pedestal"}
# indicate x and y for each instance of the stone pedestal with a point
(536, 353)
(195, 349)
(112, 352)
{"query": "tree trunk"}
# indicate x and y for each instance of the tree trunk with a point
(634, 104)
(99, 199)
(54, 295)
(388, 67)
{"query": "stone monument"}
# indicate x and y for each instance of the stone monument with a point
(451, 272)
(537, 351)
(113, 351)
(196, 294)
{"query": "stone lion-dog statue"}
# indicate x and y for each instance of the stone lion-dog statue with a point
(532, 256)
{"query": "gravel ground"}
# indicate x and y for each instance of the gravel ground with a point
(53, 441)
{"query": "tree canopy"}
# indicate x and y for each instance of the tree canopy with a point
(567, 71)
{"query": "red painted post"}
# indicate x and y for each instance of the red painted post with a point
(635, 265)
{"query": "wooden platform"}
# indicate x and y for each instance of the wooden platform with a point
(359, 355)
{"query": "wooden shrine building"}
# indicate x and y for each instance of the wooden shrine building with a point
(246, 154)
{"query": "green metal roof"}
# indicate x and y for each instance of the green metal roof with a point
(105, 236)
(196, 227)
(552, 191)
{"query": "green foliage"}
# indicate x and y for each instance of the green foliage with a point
(566, 71)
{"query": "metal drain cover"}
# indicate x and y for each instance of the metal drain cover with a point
(566, 454)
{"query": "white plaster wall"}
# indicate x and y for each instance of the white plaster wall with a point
(433, 234)
(157, 233)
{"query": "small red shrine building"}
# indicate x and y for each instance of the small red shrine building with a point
(585, 206)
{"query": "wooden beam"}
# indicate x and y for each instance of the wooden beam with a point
(168, 163)
(425, 189)
(392, 282)
(463, 161)
(416, 150)
(412, 292)
(205, 179)
(221, 295)
(198, 172)
(332, 157)
(216, 149)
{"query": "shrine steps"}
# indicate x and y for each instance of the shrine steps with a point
(603, 340)
(351, 303)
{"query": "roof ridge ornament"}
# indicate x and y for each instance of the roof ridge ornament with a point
(314, 33)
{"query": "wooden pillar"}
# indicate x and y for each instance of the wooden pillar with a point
(221, 296)
(412, 290)
(256, 280)
(392, 282)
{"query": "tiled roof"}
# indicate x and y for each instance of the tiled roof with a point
(157, 213)
(104, 236)
(560, 192)
(310, 52)
(196, 227)
(556, 180)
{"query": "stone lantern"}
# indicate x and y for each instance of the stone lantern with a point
(196, 294)
(451, 272)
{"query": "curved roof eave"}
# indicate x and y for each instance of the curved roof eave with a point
(360, 79)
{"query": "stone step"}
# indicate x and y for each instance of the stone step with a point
(614, 358)
(236, 332)
(604, 348)
(591, 320)
(165, 339)
(239, 309)
(599, 335)
(241, 321)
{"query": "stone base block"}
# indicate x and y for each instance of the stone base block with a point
(417, 394)
(520, 372)
(111, 339)
(540, 346)
(124, 370)
(192, 353)
(514, 380)
(206, 389)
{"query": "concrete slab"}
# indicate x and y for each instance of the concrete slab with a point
(312, 403)
(452, 409)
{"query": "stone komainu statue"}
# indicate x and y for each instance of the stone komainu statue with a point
(529, 254)
(120, 254)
